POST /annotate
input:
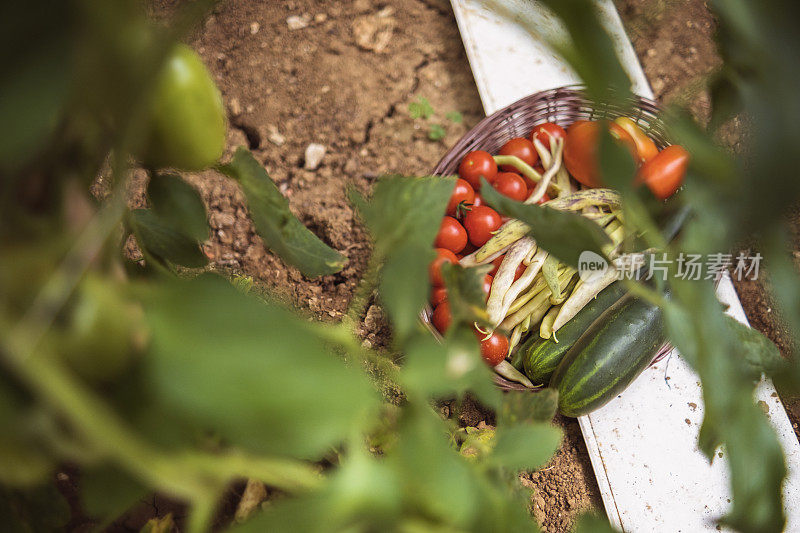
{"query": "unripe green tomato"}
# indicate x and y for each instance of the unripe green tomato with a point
(106, 331)
(185, 126)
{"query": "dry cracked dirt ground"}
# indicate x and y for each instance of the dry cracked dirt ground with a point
(342, 74)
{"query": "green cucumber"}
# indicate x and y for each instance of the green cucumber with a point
(540, 357)
(612, 352)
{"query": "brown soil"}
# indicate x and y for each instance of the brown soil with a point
(566, 486)
(345, 80)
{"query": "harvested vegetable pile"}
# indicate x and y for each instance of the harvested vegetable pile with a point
(531, 295)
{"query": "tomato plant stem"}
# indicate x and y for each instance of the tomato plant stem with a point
(368, 284)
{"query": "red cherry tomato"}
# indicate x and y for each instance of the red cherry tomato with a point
(496, 264)
(441, 317)
(435, 269)
(468, 249)
(462, 193)
(580, 149)
(664, 173)
(511, 185)
(475, 165)
(522, 148)
(549, 130)
(480, 223)
(487, 284)
(478, 201)
(452, 235)
(438, 295)
(529, 183)
(520, 271)
(494, 349)
(645, 147)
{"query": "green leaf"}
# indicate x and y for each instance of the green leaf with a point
(758, 352)
(304, 514)
(465, 293)
(21, 465)
(593, 523)
(365, 490)
(108, 491)
(436, 132)
(164, 242)
(280, 230)
(40, 509)
(37, 78)
(179, 205)
(404, 285)
(727, 101)
(616, 164)
(250, 370)
(421, 108)
(705, 336)
(455, 117)
(523, 407)
(22, 462)
(525, 446)
(448, 369)
(403, 217)
(590, 50)
(436, 479)
(564, 234)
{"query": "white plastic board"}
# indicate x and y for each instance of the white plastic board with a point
(643, 444)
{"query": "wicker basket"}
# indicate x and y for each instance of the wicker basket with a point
(563, 106)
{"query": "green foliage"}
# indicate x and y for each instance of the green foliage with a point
(455, 117)
(276, 392)
(756, 350)
(733, 197)
(276, 225)
(564, 234)
(590, 50)
(533, 407)
(217, 384)
(436, 132)
(420, 108)
(403, 217)
(465, 293)
(163, 242)
(592, 523)
(23, 461)
(109, 491)
(36, 510)
(36, 84)
(178, 204)
(724, 363)
(525, 446)
(433, 370)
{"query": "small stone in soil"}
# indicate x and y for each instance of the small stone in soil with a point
(275, 136)
(234, 107)
(296, 22)
(314, 154)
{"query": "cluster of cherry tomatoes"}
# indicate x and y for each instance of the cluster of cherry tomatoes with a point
(661, 171)
(469, 224)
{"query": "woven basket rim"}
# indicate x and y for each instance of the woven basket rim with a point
(645, 112)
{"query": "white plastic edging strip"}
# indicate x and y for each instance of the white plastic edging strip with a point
(643, 444)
